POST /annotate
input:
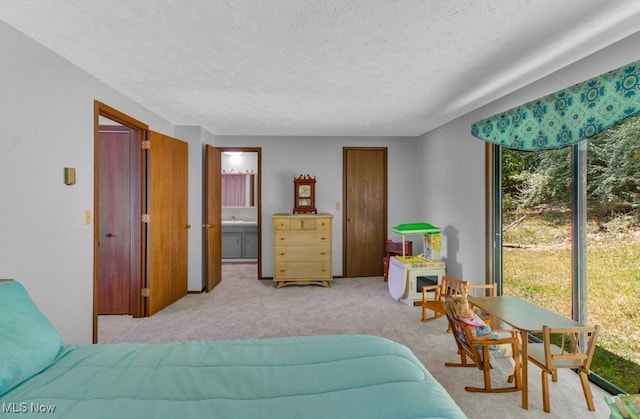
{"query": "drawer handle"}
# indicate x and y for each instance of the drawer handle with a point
(283, 270)
(323, 253)
(283, 238)
(282, 253)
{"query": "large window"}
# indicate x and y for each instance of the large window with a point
(540, 206)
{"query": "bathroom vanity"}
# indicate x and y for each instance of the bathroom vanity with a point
(239, 240)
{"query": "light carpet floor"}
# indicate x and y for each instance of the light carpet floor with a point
(242, 306)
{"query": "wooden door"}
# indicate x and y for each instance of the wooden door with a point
(167, 229)
(365, 209)
(118, 232)
(213, 217)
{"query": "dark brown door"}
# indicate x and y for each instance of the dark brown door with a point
(213, 217)
(167, 230)
(365, 209)
(118, 188)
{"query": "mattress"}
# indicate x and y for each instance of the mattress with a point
(339, 376)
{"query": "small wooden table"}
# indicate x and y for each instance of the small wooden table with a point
(525, 316)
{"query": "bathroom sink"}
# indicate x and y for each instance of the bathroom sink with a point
(239, 222)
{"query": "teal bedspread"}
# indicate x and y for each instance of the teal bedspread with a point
(343, 376)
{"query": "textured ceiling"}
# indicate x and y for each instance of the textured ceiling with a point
(320, 67)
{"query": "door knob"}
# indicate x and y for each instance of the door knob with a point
(188, 226)
(350, 220)
(109, 235)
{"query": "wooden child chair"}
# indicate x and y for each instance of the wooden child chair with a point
(475, 353)
(448, 287)
(550, 357)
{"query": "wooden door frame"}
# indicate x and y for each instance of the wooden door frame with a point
(345, 150)
(101, 109)
(212, 227)
(258, 197)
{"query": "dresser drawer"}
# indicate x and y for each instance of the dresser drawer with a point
(302, 270)
(302, 253)
(302, 238)
(323, 223)
(281, 223)
(302, 223)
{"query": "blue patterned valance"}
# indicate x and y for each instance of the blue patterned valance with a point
(568, 116)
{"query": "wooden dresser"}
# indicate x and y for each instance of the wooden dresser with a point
(302, 249)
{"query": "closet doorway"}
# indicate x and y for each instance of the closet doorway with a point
(365, 209)
(118, 237)
(140, 217)
(119, 270)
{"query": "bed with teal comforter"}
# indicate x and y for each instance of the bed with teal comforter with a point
(339, 376)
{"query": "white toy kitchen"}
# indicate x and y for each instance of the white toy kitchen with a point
(408, 273)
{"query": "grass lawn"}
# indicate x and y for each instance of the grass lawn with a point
(537, 266)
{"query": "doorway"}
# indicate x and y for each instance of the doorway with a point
(141, 218)
(119, 198)
(119, 264)
(240, 205)
(365, 209)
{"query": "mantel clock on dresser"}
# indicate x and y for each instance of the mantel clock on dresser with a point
(305, 195)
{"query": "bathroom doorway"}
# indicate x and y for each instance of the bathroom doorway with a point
(241, 205)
